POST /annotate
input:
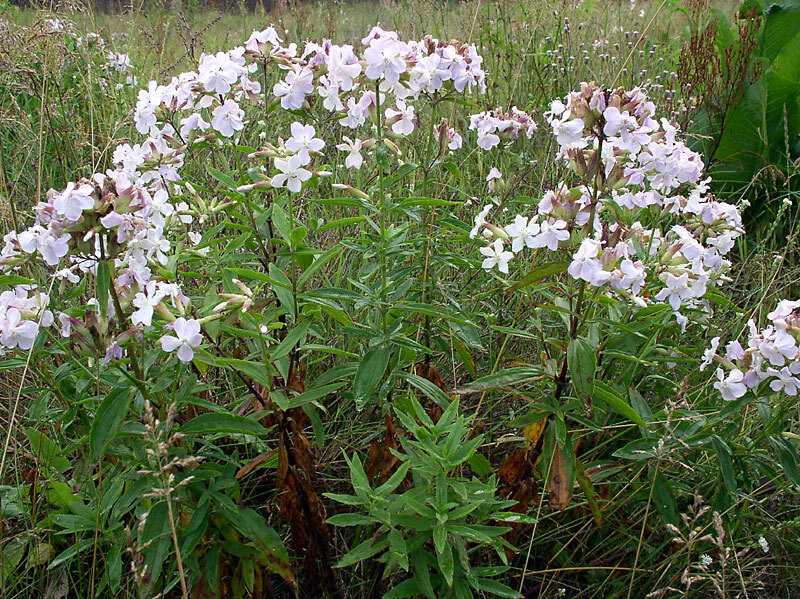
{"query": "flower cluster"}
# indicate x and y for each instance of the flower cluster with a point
(115, 67)
(496, 126)
(639, 221)
(128, 219)
(21, 312)
(772, 354)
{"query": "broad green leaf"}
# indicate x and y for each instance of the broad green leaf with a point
(304, 398)
(370, 373)
(503, 378)
(444, 555)
(282, 223)
(610, 397)
(108, 419)
(15, 280)
(268, 541)
(254, 370)
(788, 458)
(724, 455)
(46, 450)
(291, 340)
(582, 362)
(103, 285)
(364, 551)
(207, 424)
(318, 263)
(497, 589)
(226, 180)
(398, 550)
(428, 388)
(664, 500)
(537, 274)
(350, 520)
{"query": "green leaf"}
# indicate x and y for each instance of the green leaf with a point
(12, 553)
(254, 370)
(319, 263)
(226, 180)
(444, 555)
(504, 378)
(156, 537)
(664, 500)
(421, 574)
(108, 419)
(537, 274)
(350, 520)
(497, 588)
(282, 224)
(369, 373)
(724, 455)
(304, 398)
(609, 396)
(207, 424)
(582, 362)
(788, 458)
(427, 387)
(341, 222)
(398, 550)
(363, 551)
(269, 542)
(15, 280)
(292, 339)
(103, 285)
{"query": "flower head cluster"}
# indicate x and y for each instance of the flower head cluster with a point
(21, 312)
(638, 220)
(128, 219)
(496, 126)
(771, 355)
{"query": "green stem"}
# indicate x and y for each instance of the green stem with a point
(382, 207)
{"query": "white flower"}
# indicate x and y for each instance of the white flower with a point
(633, 275)
(493, 178)
(708, 355)
(145, 302)
(731, 387)
(764, 545)
(17, 332)
(329, 91)
(480, 220)
(383, 60)
(52, 248)
(217, 72)
(402, 119)
(569, 134)
(193, 122)
(522, 232)
(292, 175)
(188, 337)
(228, 118)
(294, 88)
(586, 265)
(677, 289)
(783, 381)
(496, 256)
(706, 560)
(552, 232)
(353, 148)
(72, 202)
(303, 141)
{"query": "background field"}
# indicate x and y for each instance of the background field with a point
(57, 125)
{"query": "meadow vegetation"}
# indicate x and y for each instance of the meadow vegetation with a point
(400, 299)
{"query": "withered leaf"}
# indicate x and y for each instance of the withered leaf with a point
(559, 483)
